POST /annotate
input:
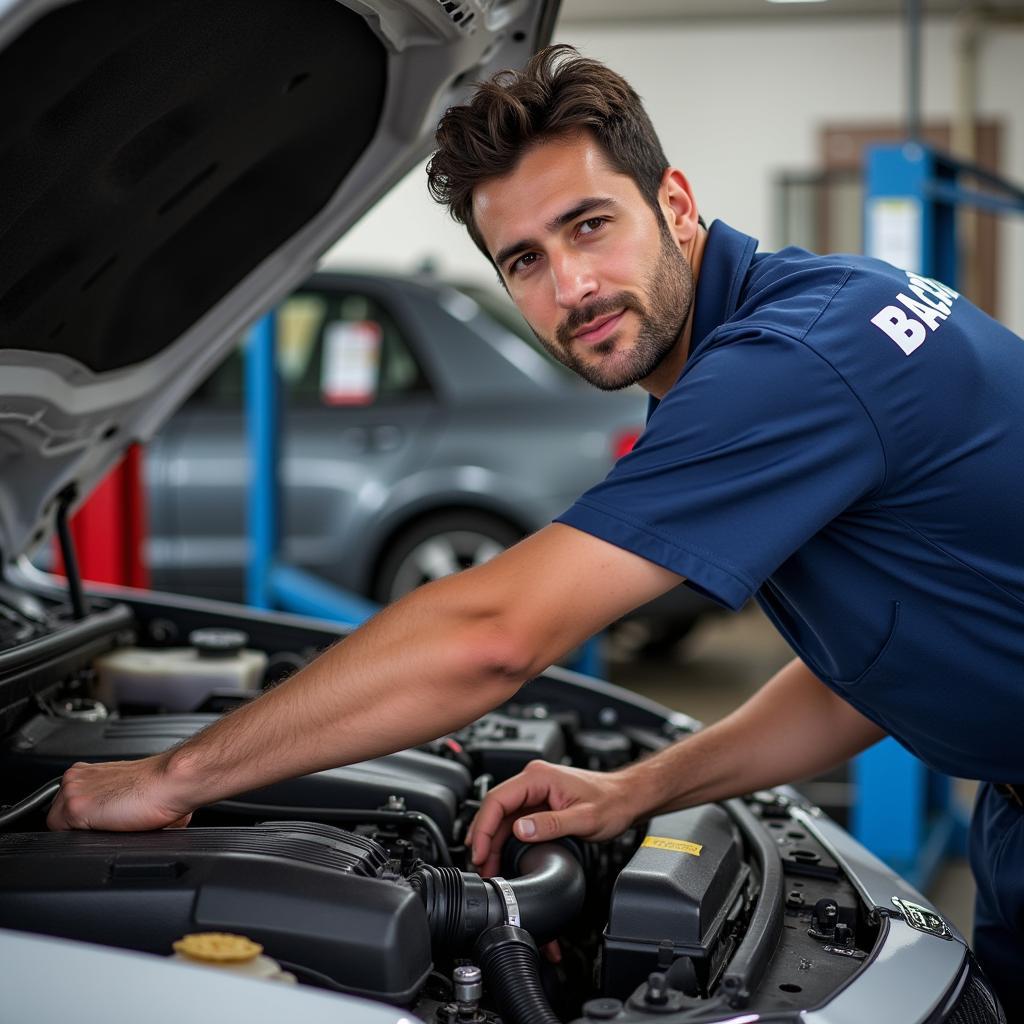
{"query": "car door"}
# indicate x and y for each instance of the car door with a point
(357, 412)
(361, 416)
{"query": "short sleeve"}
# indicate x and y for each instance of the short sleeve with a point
(758, 446)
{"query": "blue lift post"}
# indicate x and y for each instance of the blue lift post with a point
(270, 583)
(904, 812)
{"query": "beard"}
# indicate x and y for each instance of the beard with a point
(612, 364)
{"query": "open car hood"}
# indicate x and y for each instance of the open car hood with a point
(170, 171)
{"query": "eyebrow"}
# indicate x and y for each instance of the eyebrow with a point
(587, 205)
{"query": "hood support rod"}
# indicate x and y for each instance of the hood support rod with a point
(67, 552)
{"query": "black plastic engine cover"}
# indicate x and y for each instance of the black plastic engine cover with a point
(46, 746)
(680, 888)
(310, 893)
(503, 746)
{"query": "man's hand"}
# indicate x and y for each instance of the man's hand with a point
(121, 796)
(546, 801)
(792, 728)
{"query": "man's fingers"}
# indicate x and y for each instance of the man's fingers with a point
(119, 796)
(534, 826)
(541, 826)
(60, 817)
(55, 817)
(552, 952)
(543, 802)
(487, 849)
(499, 807)
(490, 862)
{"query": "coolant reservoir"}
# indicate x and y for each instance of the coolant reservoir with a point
(180, 679)
(227, 952)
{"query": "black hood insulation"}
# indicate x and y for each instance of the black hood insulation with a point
(181, 143)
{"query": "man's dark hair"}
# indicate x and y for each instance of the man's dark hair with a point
(556, 94)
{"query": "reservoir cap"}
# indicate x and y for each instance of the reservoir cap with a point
(218, 643)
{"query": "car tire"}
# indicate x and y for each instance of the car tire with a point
(437, 546)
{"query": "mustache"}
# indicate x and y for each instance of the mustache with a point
(582, 315)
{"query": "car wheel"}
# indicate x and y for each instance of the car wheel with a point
(440, 545)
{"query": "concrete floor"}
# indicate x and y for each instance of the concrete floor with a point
(721, 663)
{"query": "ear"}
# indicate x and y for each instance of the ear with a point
(678, 205)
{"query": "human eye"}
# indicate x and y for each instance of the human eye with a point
(521, 263)
(591, 224)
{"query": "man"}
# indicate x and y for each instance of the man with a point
(835, 437)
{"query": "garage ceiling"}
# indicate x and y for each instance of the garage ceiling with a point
(615, 11)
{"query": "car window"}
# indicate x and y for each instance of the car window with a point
(334, 348)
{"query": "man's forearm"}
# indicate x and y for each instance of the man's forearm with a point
(429, 664)
(792, 728)
(436, 660)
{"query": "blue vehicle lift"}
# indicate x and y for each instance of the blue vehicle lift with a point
(270, 582)
(904, 812)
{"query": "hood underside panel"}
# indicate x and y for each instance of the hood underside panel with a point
(176, 147)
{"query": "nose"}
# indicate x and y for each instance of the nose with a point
(573, 278)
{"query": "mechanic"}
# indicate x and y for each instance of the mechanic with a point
(837, 438)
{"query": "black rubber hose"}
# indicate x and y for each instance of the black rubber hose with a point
(30, 803)
(750, 960)
(511, 965)
(462, 905)
(550, 888)
(459, 905)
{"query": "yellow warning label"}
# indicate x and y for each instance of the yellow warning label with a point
(676, 845)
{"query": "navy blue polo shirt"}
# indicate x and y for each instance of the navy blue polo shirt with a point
(846, 445)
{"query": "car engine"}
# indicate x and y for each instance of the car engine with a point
(357, 879)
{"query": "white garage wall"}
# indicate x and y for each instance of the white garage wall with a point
(734, 104)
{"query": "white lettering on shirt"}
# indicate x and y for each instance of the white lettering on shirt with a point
(941, 291)
(933, 304)
(907, 333)
(928, 313)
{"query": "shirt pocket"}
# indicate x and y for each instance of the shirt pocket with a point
(879, 657)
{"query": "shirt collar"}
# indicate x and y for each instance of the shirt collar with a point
(723, 267)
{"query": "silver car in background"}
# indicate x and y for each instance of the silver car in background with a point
(421, 435)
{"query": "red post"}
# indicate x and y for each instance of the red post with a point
(109, 530)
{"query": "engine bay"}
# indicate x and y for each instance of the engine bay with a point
(357, 880)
